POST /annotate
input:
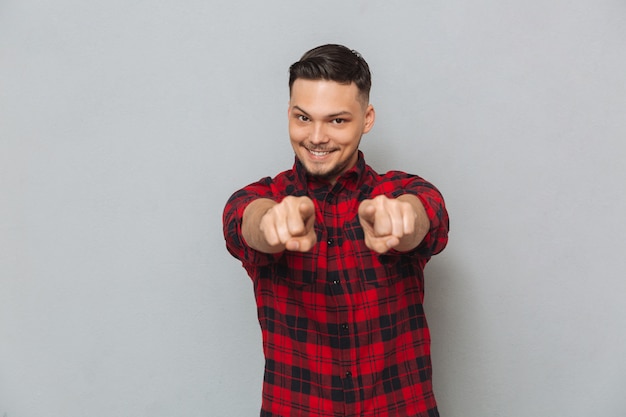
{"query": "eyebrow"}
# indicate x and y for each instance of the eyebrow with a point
(330, 116)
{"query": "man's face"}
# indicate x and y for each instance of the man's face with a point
(326, 122)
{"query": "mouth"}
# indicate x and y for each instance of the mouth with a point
(318, 153)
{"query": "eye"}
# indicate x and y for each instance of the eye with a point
(338, 121)
(302, 118)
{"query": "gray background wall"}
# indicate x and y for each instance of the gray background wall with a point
(125, 126)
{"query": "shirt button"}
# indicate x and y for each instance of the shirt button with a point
(345, 327)
(330, 241)
(336, 282)
(348, 374)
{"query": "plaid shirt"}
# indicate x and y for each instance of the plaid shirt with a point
(344, 331)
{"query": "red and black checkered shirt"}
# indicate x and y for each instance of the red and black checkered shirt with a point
(344, 331)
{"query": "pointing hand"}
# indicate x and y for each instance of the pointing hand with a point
(387, 223)
(290, 223)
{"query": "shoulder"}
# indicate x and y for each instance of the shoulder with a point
(267, 187)
(398, 182)
(375, 178)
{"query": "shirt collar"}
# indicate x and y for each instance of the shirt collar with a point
(350, 179)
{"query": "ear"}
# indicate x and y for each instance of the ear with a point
(370, 118)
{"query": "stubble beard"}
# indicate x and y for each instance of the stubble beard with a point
(331, 173)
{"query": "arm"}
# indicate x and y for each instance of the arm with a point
(271, 227)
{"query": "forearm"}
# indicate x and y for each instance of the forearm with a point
(422, 224)
(251, 226)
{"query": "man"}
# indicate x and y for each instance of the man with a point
(336, 253)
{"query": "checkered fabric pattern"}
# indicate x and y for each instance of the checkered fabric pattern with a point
(344, 331)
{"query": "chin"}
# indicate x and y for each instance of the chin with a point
(314, 171)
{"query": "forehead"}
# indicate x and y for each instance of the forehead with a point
(316, 93)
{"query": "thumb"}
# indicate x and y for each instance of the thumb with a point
(367, 211)
(306, 210)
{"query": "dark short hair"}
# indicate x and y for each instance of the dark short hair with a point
(333, 63)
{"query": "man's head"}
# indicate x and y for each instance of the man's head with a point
(329, 109)
(334, 63)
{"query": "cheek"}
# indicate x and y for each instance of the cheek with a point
(348, 138)
(297, 133)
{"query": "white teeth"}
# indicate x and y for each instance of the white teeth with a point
(318, 153)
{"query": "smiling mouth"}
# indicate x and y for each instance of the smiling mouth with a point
(318, 152)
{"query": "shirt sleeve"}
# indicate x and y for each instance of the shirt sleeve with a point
(437, 237)
(232, 221)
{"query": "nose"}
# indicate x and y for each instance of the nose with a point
(318, 134)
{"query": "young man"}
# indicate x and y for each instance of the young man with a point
(336, 253)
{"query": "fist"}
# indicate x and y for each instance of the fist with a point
(290, 223)
(387, 223)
